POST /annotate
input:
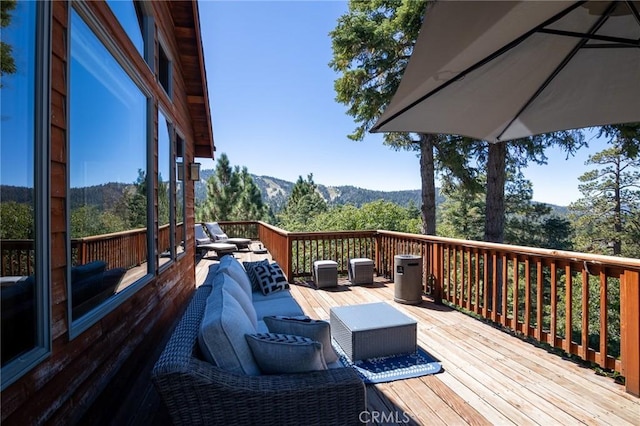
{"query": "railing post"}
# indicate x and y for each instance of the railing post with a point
(630, 330)
(377, 237)
(288, 254)
(437, 272)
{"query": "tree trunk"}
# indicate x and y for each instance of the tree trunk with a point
(427, 174)
(617, 218)
(496, 176)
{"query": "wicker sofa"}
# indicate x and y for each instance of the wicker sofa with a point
(196, 391)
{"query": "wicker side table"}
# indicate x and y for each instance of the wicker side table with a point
(372, 330)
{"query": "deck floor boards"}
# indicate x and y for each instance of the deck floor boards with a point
(489, 376)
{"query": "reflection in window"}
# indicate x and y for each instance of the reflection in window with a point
(24, 227)
(164, 71)
(165, 130)
(130, 16)
(108, 174)
(180, 196)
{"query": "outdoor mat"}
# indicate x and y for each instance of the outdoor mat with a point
(390, 368)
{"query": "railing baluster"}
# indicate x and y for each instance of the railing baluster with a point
(568, 315)
(603, 318)
(469, 288)
(585, 314)
(554, 304)
(539, 299)
(527, 297)
(485, 285)
(505, 291)
(516, 298)
(477, 282)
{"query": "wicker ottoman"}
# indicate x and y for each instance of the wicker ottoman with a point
(372, 330)
(325, 273)
(361, 270)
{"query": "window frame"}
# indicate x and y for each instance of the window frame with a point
(163, 51)
(172, 184)
(179, 136)
(19, 366)
(147, 31)
(79, 325)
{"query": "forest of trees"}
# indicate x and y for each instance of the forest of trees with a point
(604, 221)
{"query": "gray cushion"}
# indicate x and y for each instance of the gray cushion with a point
(280, 306)
(313, 329)
(235, 290)
(221, 335)
(257, 296)
(281, 353)
(230, 266)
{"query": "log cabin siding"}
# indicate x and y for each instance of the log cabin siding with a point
(83, 378)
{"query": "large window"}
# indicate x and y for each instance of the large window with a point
(24, 208)
(165, 201)
(109, 202)
(131, 17)
(181, 230)
(171, 194)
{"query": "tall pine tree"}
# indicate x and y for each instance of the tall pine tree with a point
(607, 217)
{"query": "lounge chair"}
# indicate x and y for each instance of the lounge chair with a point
(219, 235)
(204, 243)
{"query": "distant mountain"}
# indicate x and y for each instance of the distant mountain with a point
(275, 193)
(102, 196)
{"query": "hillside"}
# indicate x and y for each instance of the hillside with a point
(101, 196)
(276, 191)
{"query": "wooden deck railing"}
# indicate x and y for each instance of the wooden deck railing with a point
(585, 305)
(126, 249)
(17, 257)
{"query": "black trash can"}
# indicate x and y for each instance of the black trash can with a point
(408, 279)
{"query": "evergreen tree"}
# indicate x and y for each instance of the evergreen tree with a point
(607, 217)
(16, 221)
(7, 63)
(462, 214)
(232, 195)
(375, 215)
(163, 201)
(372, 44)
(249, 204)
(527, 223)
(223, 188)
(303, 205)
(136, 202)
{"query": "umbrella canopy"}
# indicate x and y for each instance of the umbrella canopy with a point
(499, 70)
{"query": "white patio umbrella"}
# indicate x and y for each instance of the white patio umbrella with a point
(499, 70)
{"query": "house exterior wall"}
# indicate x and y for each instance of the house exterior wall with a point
(87, 370)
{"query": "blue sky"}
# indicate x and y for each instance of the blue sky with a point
(274, 111)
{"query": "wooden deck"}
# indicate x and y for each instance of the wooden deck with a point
(489, 377)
